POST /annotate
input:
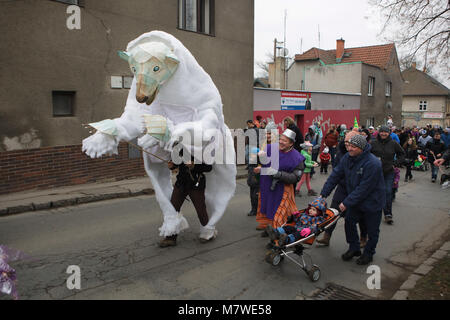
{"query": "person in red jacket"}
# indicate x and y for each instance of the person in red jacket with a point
(325, 158)
(331, 141)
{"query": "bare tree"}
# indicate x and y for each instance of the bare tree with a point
(264, 65)
(420, 28)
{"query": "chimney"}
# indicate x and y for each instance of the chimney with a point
(339, 49)
(414, 65)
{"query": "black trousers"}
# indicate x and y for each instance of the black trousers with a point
(362, 225)
(408, 171)
(371, 220)
(254, 198)
(198, 200)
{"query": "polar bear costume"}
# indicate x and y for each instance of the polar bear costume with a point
(190, 101)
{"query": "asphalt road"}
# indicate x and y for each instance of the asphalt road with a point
(115, 245)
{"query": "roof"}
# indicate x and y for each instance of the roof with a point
(420, 83)
(263, 82)
(378, 55)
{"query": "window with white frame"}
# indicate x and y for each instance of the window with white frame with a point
(370, 122)
(388, 88)
(422, 105)
(371, 86)
(196, 15)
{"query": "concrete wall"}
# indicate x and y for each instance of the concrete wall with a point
(40, 54)
(377, 105)
(296, 73)
(342, 78)
(435, 104)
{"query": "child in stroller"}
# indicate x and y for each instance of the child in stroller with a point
(287, 241)
(306, 223)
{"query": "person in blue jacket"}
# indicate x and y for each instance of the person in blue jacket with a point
(340, 194)
(365, 198)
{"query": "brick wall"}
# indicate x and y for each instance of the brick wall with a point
(51, 167)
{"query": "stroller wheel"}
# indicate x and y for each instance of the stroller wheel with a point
(273, 258)
(314, 273)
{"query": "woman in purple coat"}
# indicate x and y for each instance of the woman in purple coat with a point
(277, 197)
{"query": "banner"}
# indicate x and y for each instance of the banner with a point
(294, 100)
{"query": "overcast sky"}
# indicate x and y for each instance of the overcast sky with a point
(347, 19)
(355, 21)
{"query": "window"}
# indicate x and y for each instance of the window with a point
(63, 103)
(370, 122)
(388, 88)
(196, 15)
(423, 105)
(371, 86)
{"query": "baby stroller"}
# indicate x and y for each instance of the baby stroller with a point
(421, 163)
(277, 253)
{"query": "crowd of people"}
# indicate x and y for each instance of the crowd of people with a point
(365, 173)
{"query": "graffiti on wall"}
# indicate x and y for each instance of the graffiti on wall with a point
(324, 125)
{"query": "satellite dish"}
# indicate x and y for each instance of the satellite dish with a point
(285, 52)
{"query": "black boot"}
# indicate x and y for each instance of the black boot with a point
(364, 259)
(350, 254)
(169, 241)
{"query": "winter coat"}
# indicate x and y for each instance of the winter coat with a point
(445, 137)
(314, 139)
(331, 139)
(410, 154)
(434, 147)
(386, 150)
(341, 191)
(325, 158)
(364, 181)
(304, 220)
(308, 161)
(192, 179)
(424, 140)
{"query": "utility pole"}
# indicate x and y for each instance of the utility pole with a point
(318, 29)
(275, 63)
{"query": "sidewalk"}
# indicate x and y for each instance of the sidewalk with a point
(35, 200)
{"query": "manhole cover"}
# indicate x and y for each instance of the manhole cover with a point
(335, 292)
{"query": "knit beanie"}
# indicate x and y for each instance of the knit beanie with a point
(358, 141)
(384, 129)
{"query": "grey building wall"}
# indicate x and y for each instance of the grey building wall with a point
(297, 73)
(379, 106)
(40, 54)
(334, 78)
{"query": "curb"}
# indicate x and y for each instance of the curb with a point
(71, 202)
(421, 271)
(37, 206)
